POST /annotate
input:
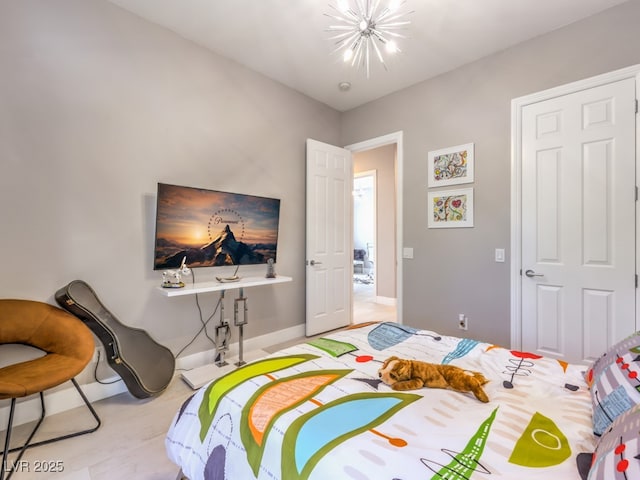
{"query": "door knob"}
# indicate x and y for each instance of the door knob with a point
(313, 262)
(531, 273)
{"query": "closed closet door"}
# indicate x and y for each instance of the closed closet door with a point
(578, 222)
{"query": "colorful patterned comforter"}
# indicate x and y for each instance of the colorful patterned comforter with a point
(318, 411)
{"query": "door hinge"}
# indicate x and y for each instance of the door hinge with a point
(636, 105)
(636, 280)
(636, 193)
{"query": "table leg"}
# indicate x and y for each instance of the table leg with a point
(240, 323)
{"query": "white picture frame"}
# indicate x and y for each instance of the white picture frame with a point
(451, 166)
(450, 208)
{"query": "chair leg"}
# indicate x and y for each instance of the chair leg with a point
(69, 435)
(7, 440)
(16, 463)
(28, 443)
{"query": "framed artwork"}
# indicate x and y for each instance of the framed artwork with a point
(450, 208)
(451, 166)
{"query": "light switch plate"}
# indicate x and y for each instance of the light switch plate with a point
(407, 252)
(500, 255)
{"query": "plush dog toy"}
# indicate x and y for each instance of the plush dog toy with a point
(412, 374)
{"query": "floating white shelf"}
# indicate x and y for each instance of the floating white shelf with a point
(216, 286)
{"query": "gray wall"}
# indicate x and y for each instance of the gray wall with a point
(96, 107)
(453, 270)
(382, 159)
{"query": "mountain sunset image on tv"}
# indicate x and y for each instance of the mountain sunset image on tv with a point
(212, 228)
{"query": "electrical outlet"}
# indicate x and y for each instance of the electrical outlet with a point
(463, 322)
(99, 354)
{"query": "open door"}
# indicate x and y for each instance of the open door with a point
(329, 262)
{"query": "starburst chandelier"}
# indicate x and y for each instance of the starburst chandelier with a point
(366, 28)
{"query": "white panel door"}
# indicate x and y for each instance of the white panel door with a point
(578, 222)
(329, 257)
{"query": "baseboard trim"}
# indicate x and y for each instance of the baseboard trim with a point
(254, 343)
(65, 399)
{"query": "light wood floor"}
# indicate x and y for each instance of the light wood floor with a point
(128, 445)
(130, 442)
(365, 308)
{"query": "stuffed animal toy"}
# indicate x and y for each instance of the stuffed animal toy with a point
(402, 374)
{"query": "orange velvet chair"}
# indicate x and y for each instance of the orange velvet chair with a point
(68, 347)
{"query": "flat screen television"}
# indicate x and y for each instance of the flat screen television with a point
(211, 228)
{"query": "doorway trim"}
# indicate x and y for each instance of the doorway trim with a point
(391, 138)
(517, 106)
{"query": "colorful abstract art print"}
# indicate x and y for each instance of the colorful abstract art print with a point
(451, 166)
(450, 208)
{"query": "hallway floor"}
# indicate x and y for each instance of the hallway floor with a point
(365, 307)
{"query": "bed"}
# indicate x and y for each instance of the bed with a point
(319, 411)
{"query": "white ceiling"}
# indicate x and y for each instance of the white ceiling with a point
(287, 40)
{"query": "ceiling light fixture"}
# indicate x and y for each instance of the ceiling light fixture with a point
(365, 27)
